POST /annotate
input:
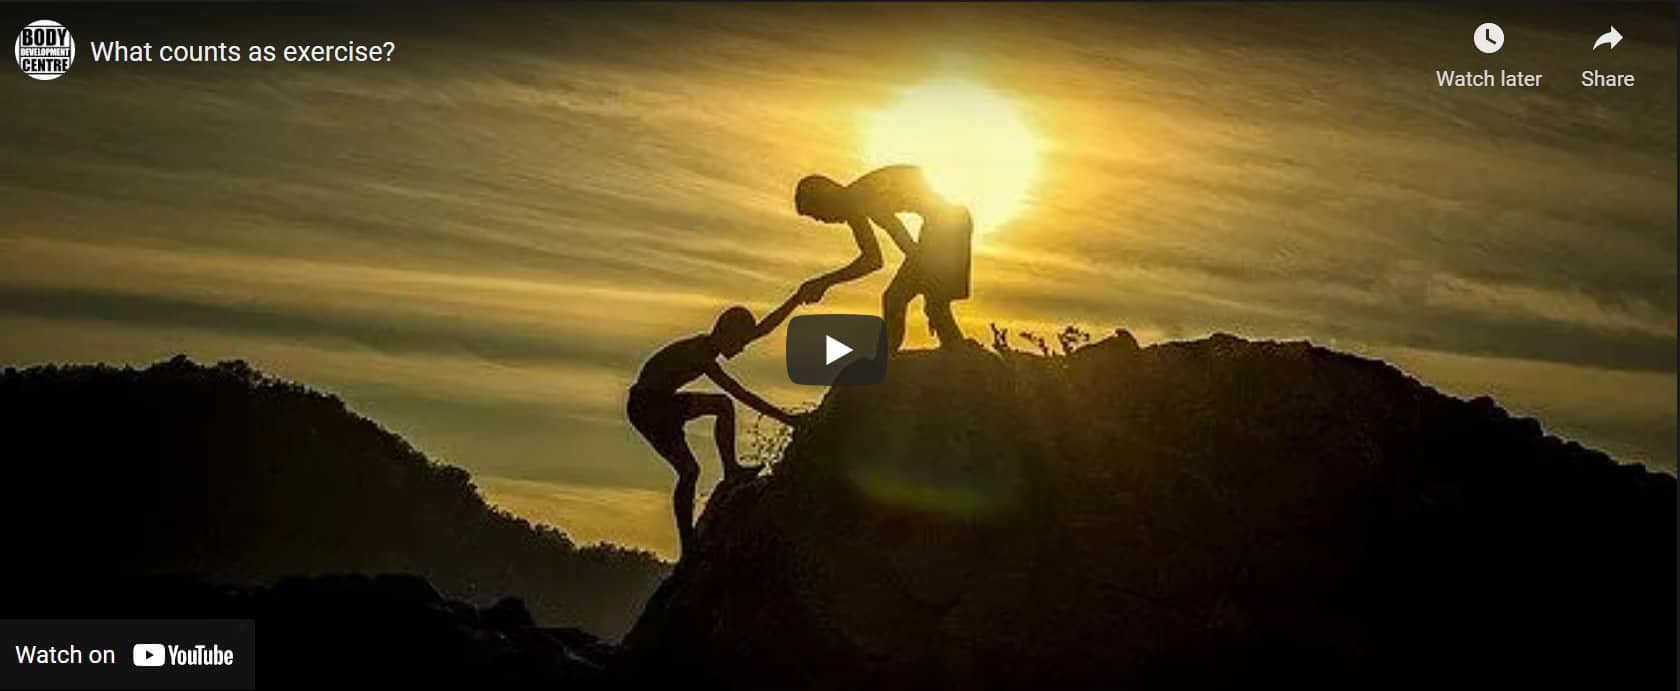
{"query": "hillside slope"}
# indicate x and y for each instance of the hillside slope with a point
(1189, 514)
(228, 476)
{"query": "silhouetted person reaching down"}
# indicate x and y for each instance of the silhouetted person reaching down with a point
(658, 410)
(936, 262)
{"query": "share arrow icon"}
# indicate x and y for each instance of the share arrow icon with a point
(1611, 38)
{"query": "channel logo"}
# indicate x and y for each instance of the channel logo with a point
(44, 50)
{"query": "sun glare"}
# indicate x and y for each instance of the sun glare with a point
(969, 139)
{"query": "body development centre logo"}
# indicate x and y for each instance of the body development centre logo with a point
(44, 49)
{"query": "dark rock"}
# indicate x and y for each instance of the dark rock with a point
(1123, 340)
(1210, 513)
(509, 612)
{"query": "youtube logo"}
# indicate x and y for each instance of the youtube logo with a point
(148, 655)
(836, 349)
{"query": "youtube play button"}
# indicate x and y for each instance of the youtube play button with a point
(836, 349)
(833, 350)
(148, 655)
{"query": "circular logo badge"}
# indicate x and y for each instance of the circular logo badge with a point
(45, 49)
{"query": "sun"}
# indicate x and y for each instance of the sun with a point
(970, 140)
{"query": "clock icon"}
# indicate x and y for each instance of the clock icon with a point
(1489, 38)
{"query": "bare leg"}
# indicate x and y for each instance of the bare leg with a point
(723, 430)
(682, 498)
(894, 302)
(943, 323)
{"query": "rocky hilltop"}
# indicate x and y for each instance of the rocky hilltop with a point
(1188, 514)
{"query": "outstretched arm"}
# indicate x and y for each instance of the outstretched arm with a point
(868, 261)
(774, 320)
(752, 400)
(899, 234)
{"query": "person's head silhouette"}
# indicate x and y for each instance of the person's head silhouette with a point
(821, 198)
(733, 330)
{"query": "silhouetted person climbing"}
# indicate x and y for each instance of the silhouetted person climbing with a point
(658, 410)
(936, 262)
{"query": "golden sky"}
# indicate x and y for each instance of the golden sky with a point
(477, 244)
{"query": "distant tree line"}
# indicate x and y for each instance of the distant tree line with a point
(228, 475)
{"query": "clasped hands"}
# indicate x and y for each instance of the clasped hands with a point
(811, 292)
